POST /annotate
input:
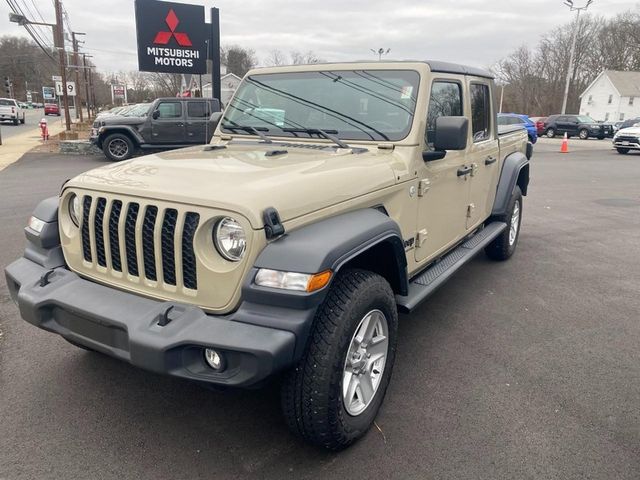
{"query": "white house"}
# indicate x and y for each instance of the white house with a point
(228, 84)
(613, 96)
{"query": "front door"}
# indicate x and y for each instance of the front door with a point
(443, 193)
(167, 123)
(198, 129)
(483, 154)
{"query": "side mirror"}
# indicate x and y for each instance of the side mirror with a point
(215, 118)
(450, 134)
(156, 114)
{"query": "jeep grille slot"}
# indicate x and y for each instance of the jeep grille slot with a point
(138, 240)
(188, 257)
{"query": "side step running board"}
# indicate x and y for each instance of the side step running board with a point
(422, 286)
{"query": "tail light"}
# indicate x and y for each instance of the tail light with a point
(13, 110)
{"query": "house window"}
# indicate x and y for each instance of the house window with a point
(606, 117)
(631, 99)
(610, 99)
(621, 116)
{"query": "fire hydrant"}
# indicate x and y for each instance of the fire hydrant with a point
(44, 130)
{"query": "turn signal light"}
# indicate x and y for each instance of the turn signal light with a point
(318, 281)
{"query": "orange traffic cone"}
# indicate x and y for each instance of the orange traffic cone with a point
(565, 144)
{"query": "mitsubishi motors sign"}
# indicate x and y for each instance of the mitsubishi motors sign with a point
(171, 37)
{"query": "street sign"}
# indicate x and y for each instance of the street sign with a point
(171, 37)
(29, 97)
(49, 93)
(71, 89)
(56, 78)
(118, 91)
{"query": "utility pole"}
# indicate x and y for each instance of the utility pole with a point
(76, 63)
(63, 62)
(86, 85)
(576, 29)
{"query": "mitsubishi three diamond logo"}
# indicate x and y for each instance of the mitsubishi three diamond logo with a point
(163, 38)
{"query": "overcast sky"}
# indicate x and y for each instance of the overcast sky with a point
(476, 32)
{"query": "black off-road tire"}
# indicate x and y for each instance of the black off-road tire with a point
(501, 248)
(623, 151)
(550, 133)
(119, 139)
(312, 400)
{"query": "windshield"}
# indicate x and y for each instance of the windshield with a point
(140, 110)
(585, 119)
(352, 105)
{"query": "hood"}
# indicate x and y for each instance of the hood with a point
(629, 131)
(244, 179)
(121, 120)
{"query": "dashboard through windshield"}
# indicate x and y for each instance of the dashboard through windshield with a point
(375, 105)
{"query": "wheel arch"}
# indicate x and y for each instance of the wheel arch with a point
(366, 238)
(128, 131)
(515, 171)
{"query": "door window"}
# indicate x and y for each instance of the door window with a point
(445, 101)
(480, 112)
(197, 110)
(170, 110)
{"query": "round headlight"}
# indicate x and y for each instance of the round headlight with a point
(74, 209)
(230, 239)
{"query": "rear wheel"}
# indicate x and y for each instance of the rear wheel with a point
(332, 396)
(584, 134)
(550, 133)
(16, 121)
(505, 244)
(22, 120)
(117, 147)
(623, 151)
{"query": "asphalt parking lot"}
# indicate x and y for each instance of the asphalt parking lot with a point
(528, 369)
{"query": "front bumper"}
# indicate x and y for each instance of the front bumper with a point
(631, 143)
(126, 326)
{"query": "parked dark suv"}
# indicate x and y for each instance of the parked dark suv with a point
(164, 124)
(576, 125)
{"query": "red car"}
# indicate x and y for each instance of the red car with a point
(539, 121)
(51, 109)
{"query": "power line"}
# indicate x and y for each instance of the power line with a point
(35, 28)
(16, 9)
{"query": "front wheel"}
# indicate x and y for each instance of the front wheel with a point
(505, 244)
(332, 396)
(623, 151)
(584, 134)
(117, 147)
(550, 133)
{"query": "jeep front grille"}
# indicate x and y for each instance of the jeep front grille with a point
(148, 241)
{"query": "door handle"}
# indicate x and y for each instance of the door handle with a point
(464, 171)
(490, 160)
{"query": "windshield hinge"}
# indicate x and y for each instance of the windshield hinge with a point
(386, 146)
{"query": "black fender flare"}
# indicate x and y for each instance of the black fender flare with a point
(331, 243)
(124, 129)
(511, 168)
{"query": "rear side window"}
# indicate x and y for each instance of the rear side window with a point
(445, 101)
(480, 112)
(170, 110)
(7, 103)
(197, 110)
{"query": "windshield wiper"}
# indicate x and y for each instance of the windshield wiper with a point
(248, 128)
(324, 133)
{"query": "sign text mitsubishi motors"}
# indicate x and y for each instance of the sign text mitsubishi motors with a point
(171, 37)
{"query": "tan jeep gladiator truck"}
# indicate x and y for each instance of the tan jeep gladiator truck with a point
(330, 198)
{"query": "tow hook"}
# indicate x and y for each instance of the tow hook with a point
(44, 279)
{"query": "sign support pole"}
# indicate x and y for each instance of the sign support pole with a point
(63, 63)
(214, 52)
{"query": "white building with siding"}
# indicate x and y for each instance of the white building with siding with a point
(612, 97)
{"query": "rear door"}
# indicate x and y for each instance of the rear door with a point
(167, 123)
(483, 152)
(197, 125)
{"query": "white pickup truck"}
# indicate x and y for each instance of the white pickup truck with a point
(10, 110)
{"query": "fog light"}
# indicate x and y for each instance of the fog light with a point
(214, 359)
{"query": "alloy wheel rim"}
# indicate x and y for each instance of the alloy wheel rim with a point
(118, 148)
(365, 362)
(515, 223)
